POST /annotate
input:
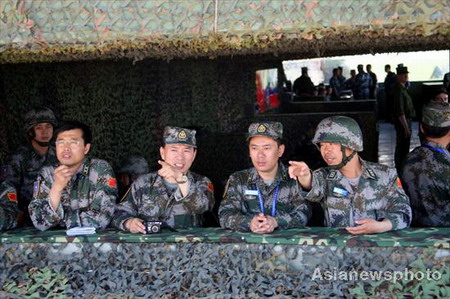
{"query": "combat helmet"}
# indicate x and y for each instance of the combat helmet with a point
(339, 129)
(133, 165)
(39, 115)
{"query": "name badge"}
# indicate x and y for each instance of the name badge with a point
(251, 192)
(338, 192)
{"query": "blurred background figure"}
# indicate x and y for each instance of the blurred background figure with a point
(128, 171)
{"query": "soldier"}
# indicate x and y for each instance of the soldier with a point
(174, 194)
(426, 170)
(81, 191)
(21, 168)
(352, 191)
(303, 86)
(373, 82)
(403, 114)
(362, 83)
(129, 170)
(263, 198)
(9, 210)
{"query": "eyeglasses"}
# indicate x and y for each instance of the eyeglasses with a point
(71, 143)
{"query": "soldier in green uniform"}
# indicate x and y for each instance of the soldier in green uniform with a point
(174, 194)
(404, 112)
(426, 170)
(362, 196)
(263, 198)
(9, 209)
(22, 167)
(81, 191)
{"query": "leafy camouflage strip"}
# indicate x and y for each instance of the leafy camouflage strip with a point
(318, 236)
(186, 270)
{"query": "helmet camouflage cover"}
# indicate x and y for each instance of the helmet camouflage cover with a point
(39, 115)
(339, 129)
(134, 165)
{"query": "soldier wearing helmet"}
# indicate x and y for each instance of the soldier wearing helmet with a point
(22, 167)
(129, 170)
(362, 196)
(263, 198)
(426, 170)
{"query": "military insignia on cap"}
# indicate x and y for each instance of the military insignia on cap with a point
(182, 135)
(261, 129)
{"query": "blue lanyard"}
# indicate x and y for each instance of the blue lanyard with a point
(436, 149)
(274, 201)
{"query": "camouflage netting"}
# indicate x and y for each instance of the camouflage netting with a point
(43, 31)
(213, 263)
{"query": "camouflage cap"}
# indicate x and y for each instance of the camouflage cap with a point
(39, 115)
(269, 129)
(135, 165)
(436, 115)
(176, 135)
(339, 129)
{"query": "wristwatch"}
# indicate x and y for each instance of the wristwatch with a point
(183, 180)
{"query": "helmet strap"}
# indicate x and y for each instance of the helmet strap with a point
(41, 143)
(345, 159)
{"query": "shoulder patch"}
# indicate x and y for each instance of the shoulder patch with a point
(112, 182)
(399, 183)
(210, 187)
(12, 196)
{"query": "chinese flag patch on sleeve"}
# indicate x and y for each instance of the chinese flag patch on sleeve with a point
(12, 197)
(112, 182)
(399, 183)
(211, 187)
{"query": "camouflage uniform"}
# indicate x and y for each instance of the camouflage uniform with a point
(426, 174)
(87, 200)
(21, 169)
(241, 201)
(238, 206)
(9, 209)
(377, 195)
(150, 198)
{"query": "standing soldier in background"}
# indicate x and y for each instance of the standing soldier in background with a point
(128, 171)
(21, 168)
(9, 209)
(362, 84)
(263, 198)
(362, 196)
(174, 194)
(426, 170)
(81, 191)
(373, 84)
(403, 115)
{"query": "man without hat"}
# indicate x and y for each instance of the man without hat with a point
(79, 191)
(173, 195)
(22, 167)
(362, 196)
(263, 198)
(426, 170)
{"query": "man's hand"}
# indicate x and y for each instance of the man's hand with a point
(135, 225)
(169, 173)
(370, 226)
(261, 224)
(301, 172)
(62, 177)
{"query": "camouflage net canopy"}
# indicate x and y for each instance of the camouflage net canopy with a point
(58, 30)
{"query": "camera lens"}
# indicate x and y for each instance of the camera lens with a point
(155, 228)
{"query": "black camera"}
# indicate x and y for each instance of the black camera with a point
(152, 227)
